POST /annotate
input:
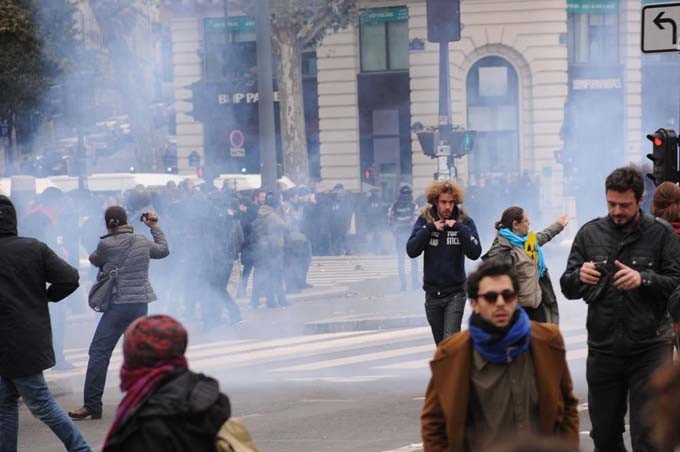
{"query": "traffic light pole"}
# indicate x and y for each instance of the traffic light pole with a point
(266, 96)
(443, 147)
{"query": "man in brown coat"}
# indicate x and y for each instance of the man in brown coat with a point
(502, 377)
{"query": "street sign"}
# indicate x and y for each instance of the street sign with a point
(660, 27)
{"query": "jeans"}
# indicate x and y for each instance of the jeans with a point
(40, 402)
(611, 380)
(444, 314)
(111, 327)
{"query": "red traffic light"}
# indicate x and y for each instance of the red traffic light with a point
(200, 172)
(658, 141)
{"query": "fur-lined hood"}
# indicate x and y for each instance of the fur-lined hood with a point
(429, 213)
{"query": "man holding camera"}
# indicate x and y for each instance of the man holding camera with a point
(625, 266)
(446, 234)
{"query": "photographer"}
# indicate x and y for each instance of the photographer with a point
(624, 266)
(129, 252)
(447, 235)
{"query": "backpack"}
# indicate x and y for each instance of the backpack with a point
(234, 437)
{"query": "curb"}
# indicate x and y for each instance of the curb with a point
(336, 326)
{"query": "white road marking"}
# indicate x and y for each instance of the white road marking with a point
(355, 359)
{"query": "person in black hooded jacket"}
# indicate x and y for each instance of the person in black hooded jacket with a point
(166, 406)
(27, 266)
(447, 235)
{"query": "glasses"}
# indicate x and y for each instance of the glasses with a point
(509, 296)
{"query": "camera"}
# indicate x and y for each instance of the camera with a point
(602, 267)
(145, 217)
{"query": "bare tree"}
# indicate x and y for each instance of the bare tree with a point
(297, 25)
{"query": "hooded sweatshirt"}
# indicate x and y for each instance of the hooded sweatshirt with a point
(445, 251)
(27, 266)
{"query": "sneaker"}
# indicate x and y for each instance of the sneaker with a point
(83, 413)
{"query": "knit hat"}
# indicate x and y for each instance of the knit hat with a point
(115, 216)
(151, 339)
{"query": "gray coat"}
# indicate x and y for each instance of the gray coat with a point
(534, 291)
(133, 277)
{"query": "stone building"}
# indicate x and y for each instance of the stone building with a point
(554, 89)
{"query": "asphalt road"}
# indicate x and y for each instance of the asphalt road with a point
(345, 390)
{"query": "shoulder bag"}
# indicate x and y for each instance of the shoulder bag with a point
(101, 292)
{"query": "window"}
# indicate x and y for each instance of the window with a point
(593, 38)
(384, 39)
(492, 88)
(228, 61)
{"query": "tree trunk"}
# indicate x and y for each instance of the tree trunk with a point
(292, 114)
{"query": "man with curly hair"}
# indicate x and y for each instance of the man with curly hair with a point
(446, 234)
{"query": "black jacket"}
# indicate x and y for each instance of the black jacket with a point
(26, 267)
(183, 413)
(622, 322)
(445, 252)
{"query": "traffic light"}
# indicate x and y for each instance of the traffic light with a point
(664, 156)
(443, 20)
(194, 159)
(200, 172)
(369, 175)
(462, 142)
(429, 140)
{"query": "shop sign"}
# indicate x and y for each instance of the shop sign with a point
(237, 23)
(593, 6)
(242, 98)
(392, 14)
(595, 84)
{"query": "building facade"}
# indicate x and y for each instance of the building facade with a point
(554, 89)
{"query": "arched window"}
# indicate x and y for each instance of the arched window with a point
(492, 110)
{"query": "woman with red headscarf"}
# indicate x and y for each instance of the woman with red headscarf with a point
(166, 406)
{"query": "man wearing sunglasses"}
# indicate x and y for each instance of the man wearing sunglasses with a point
(504, 376)
(625, 267)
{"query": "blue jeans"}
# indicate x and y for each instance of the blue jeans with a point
(444, 314)
(40, 402)
(111, 327)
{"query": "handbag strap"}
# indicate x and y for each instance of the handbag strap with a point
(127, 253)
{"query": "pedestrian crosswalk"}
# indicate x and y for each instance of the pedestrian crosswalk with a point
(341, 356)
(327, 271)
(334, 271)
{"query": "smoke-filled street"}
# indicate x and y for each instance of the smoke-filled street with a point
(339, 225)
(344, 368)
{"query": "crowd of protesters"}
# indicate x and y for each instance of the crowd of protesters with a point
(271, 236)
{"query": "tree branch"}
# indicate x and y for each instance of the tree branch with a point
(335, 14)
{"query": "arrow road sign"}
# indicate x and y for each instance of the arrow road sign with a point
(660, 27)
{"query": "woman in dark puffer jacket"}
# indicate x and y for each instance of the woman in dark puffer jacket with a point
(130, 300)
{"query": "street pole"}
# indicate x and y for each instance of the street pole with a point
(443, 147)
(266, 96)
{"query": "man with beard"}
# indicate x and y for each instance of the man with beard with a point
(503, 377)
(624, 266)
(446, 234)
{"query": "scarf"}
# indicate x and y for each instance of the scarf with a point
(137, 385)
(529, 245)
(501, 345)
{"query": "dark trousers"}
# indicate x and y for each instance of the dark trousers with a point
(218, 295)
(111, 327)
(612, 381)
(268, 279)
(444, 314)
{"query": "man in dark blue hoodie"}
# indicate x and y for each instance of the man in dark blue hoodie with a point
(447, 235)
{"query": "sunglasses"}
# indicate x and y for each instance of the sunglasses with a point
(492, 297)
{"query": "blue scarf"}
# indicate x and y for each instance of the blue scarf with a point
(501, 345)
(519, 242)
